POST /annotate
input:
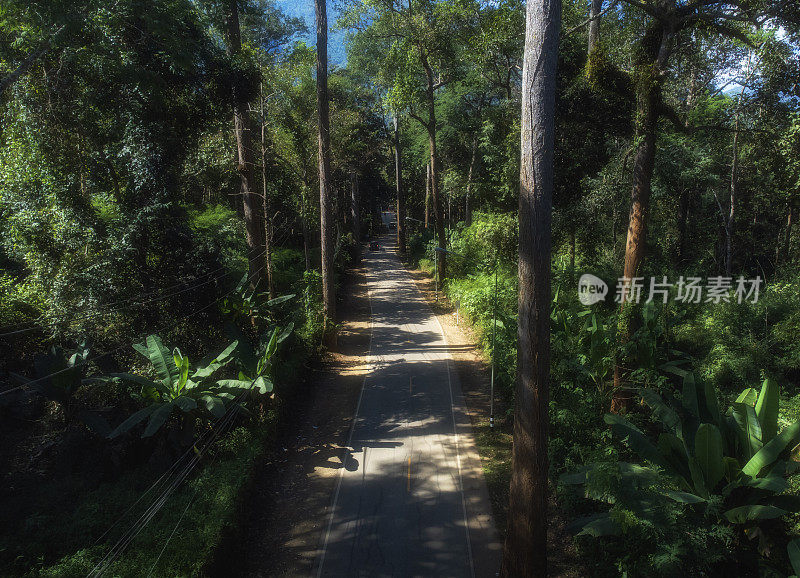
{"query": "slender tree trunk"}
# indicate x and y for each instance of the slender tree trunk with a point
(733, 190)
(253, 219)
(325, 195)
(784, 246)
(355, 210)
(266, 202)
(525, 551)
(470, 174)
(401, 201)
(648, 97)
(594, 26)
(683, 218)
(427, 192)
(438, 213)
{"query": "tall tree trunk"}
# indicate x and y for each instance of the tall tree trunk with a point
(470, 174)
(782, 254)
(355, 211)
(649, 76)
(266, 202)
(252, 208)
(683, 219)
(327, 231)
(427, 192)
(401, 201)
(594, 26)
(430, 126)
(525, 551)
(729, 224)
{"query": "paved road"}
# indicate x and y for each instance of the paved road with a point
(411, 499)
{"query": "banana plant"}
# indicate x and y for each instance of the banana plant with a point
(193, 393)
(59, 376)
(737, 459)
(255, 363)
(247, 302)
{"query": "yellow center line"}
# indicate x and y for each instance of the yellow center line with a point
(408, 485)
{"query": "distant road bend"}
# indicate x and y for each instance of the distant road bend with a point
(411, 499)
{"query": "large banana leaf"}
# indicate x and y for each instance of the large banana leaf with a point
(748, 427)
(217, 363)
(744, 514)
(674, 453)
(767, 410)
(770, 452)
(214, 405)
(636, 439)
(134, 419)
(665, 414)
(158, 418)
(708, 451)
(161, 359)
(793, 549)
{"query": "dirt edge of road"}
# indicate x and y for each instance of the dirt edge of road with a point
(283, 510)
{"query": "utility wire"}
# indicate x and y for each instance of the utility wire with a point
(115, 350)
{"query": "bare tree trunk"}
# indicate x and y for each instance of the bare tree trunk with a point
(729, 225)
(265, 199)
(427, 192)
(525, 551)
(401, 201)
(430, 126)
(325, 197)
(251, 206)
(594, 26)
(648, 96)
(467, 207)
(683, 218)
(355, 210)
(784, 245)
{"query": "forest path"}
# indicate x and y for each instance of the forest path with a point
(411, 499)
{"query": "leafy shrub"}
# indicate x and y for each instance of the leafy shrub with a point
(725, 473)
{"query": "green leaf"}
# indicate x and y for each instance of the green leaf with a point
(748, 426)
(690, 394)
(134, 419)
(674, 452)
(218, 362)
(158, 419)
(262, 384)
(744, 514)
(710, 401)
(793, 549)
(662, 411)
(184, 403)
(683, 497)
(163, 362)
(708, 451)
(770, 452)
(235, 383)
(182, 363)
(279, 300)
(748, 396)
(767, 410)
(601, 526)
(214, 405)
(636, 439)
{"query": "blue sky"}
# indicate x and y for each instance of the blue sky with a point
(305, 9)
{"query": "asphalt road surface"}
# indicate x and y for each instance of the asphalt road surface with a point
(411, 499)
